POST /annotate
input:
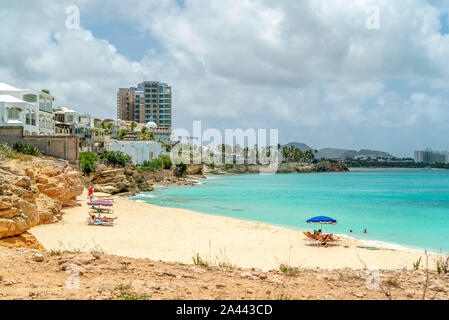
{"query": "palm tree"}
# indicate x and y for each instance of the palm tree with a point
(298, 155)
(285, 153)
(144, 134)
(133, 126)
(107, 127)
(223, 153)
(309, 155)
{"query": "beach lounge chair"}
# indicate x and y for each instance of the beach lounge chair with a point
(330, 240)
(312, 240)
(320, 239)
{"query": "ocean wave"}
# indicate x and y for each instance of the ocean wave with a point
(196, 181)
(144, 195)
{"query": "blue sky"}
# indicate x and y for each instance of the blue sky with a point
(311, 68)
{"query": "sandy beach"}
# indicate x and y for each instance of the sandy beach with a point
(176, 235)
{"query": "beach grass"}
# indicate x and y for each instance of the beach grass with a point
(198, 261)
(288, 270)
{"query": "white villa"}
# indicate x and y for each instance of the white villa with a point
(71, 122)
(31, 109)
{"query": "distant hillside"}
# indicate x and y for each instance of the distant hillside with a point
(302, 146)
(373, 154)
(335, 153)
(332, 153)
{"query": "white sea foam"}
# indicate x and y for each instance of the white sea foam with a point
(145, 195)
(196, 181)
(388, 245)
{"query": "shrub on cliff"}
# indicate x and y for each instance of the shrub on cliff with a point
(116, 158)
(180, 169)
(88, 161)
(166, 162)
(26, 149)
(154, 165)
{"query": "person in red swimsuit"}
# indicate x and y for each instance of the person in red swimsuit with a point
(90, 193)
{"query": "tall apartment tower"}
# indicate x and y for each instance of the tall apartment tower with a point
(151, 99)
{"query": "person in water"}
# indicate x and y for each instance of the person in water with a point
(365, 231)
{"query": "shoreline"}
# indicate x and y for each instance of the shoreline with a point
(375, 242)
(177, 235)
(383, 245)
(388, 168)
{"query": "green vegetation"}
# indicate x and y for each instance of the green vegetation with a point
(400, 163)
(116, 158)
(167, 146)
(443, 265)
(180, 169)
(416, 264)
(107, 127)
(88, 162)
(166, 162)
(287, 270)
(8, 153)
(382, 164)
(198, 261)
(156, 164)
(146, 135)
(294, 154)
(153, 165)
(122, 133)
(126, 294)
(26, 149)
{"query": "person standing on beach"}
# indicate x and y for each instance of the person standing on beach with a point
(90, 193)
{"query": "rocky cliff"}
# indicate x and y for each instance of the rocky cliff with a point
(33, 192)
(118, 181)
(125, 181)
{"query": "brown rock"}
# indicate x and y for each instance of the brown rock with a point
(38, 257)
(35, 193)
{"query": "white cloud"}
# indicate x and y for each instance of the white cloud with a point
(301, 64)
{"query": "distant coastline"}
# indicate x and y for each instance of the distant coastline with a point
(388, 168)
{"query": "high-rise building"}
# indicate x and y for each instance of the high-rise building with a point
(150, 99)
(429, 156)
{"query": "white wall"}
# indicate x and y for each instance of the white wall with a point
(139, 151)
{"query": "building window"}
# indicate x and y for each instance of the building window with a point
(14, 113)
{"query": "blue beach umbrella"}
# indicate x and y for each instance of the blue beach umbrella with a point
(322, 220)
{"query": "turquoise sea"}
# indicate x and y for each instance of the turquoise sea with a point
(404, 207)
